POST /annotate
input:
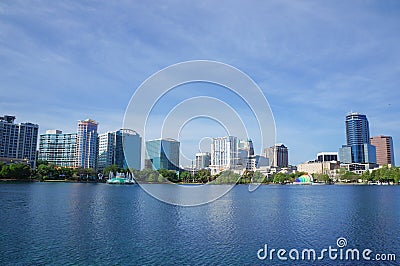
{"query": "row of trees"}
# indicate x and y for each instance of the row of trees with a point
(384, 174)
(15, 171)
(45, 171)
(202, 176)
(163, 175)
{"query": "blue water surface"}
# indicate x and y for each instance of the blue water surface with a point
(100, 224)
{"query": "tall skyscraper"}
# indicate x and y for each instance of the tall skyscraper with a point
(18, 141)
(358, 142)
(278, 155)
(384, 150)
(203, 160)
(86, 144)
(107, 150)
(163, 154)
(58, 148)
(224, 154)
(113, 146)
(131, 148)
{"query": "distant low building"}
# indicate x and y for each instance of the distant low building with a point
(315, 167)
(327, 156)
(325, 163)
(358, 168)
(13, 161)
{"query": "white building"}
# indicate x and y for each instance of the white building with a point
(315, 167)
(325, 163)
(111, 149)
(203, 160)
(58, 148)
(224, 154)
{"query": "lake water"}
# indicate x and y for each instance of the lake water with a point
(77, 223)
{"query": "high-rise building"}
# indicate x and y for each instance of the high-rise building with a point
(384, 150)
(58, 148)
(246, 156)
(278, 155)
(203, 160)
(113, 146)
(86, 144)
(345, 154)
(18, 141)
(224, 154)
(107, 150)
(358, 141)
(163, 154)
(131, 149)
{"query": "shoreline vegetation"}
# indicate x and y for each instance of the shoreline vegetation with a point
(50, 173)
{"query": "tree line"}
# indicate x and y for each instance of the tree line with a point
(45, 171)
(15, 171)
(384, 174)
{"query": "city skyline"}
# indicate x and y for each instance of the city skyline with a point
(315, 62)
(357, 132)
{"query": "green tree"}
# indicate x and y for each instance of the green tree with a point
(351, 177)
(20, 170)
(5, 172)
(147, 175)
(203, 176)
(258, 177)
(341, 172)
(15, 171)
(366, 176)
(322, 178)
(40, 162)
(227, 177)
(170, 175)
(246, 177)
(185, 177)
(65, 173)
(47, 171)
(279, 178)
(111, 168)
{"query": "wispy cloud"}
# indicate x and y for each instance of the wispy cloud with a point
(314, 61)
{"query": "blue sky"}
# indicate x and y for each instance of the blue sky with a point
(314, 60)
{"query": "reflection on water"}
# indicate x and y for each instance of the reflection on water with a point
(186, 195)
(44, 223)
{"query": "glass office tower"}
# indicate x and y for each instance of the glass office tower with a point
(358, 141)
(163, 154)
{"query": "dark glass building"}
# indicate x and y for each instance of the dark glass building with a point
(162, 154)
(358, 148)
